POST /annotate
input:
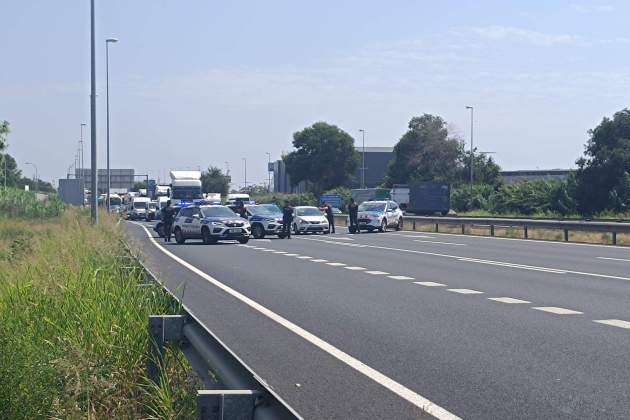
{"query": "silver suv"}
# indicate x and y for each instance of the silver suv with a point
(380, 215)
(210, 224)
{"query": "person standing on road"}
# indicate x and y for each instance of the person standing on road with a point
(329, 215)
(287, 218)
(168, 213)
(353, 212)
(242, 211)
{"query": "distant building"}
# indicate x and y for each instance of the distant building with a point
(122, 180)
(510, 177)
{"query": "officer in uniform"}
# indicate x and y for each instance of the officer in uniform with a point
(168, 214)
(287, 218)
(353, 212)
(329, 216)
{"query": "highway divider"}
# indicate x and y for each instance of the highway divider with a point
(234, 390)
(565, 226)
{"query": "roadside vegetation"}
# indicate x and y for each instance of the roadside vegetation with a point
(73, 335)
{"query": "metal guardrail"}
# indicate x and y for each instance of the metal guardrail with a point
(613, 228)
(239, 393)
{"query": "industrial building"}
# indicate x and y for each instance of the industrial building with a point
(122, 180)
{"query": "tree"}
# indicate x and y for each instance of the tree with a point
(255, 189)
(485, 170)
(425, 153)
(137, 186)
(325, 157)
(214, 181)
(603, 172)
(13, 174)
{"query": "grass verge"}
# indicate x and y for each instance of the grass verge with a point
(74, 326)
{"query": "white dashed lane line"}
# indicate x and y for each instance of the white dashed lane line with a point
(614, 322)
(429, 283)
(508, 300)
(440, 243)
(401, 278)
(355, 268)
(466, 291)
(304, 257)
(613, 259)
(319, 260)
(335, 264)
(290, 255)
(557, 311)
(279, 252)
(377, 273)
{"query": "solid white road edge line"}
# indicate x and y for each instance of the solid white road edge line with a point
(402, 391)
(613, 259)
(439, 243)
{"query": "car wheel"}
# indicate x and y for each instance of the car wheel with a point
(399, 225)
(207, 238)
(179, 236)
(383, 227)
(258, 232)
(160, 231)
(243, 240)
(295, 229)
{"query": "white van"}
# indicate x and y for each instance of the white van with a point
(138, 208)
(232, 198)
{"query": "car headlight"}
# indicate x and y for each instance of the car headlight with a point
(246, 225)
(216, 223)
(303, 222)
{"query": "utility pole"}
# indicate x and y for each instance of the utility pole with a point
(81, 143)
(268, 172)
(363, 160)
(36, 175)
(245, 182)
(472, 150)
(94, 206)
(109, 181)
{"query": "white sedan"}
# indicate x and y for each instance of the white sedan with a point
(309, 219)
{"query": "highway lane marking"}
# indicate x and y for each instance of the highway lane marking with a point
(466, 291)
(268, 250)
(279, 252)
(401, 278)
(291, 255)
(439, 243)
(402, 391)
(557, 311)
(355, 268)
(429, 283)
(614, 322)
(508, 300)
(341, 238)
(304, 257)
(411, 236)
(498, 263)
(336, 264)
(319, 260)
(377, 273)
(614, 259)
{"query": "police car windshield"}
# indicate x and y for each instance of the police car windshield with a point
(261, 211)
(309, 211)
(217, 212)
(372, 207)
(272, 208)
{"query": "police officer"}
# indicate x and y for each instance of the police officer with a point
(168, 213)
(329, 215)
(242, 211)
(353, 212)
(287, 218)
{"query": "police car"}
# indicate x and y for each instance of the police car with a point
(379, 215)
(210, 223)
(265, 219)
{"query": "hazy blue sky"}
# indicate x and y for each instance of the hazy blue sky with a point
(197, 83)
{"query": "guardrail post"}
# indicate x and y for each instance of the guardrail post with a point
(525, 232)
(463, 229)
(224, 404)
(566, 235)
(436, 228)
(491, 230)
(162, 329)
(414, 225)
(614, 238)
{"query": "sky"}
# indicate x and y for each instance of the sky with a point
(205, 83)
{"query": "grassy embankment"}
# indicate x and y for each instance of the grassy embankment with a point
(73, 330)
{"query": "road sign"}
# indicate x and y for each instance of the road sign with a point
(332, 199)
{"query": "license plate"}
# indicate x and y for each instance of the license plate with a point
(235, 230)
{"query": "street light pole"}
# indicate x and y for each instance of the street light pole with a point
(245, 182)
(82, 161)
(36, 175)
(109, 181)
(472, 150)
(363, 159)
(268, 172)
(94, 206)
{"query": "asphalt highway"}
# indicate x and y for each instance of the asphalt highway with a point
(401, 324)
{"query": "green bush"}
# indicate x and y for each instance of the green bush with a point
(19, 203)
(304, 199)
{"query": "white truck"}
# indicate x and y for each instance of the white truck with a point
(185, 186)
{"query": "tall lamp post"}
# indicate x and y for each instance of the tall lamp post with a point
(472, 150)
(36, 175)
(245, 182)
(109, 180)
(81, 163)
(94, 198)
(268, 172)
(363, 159)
